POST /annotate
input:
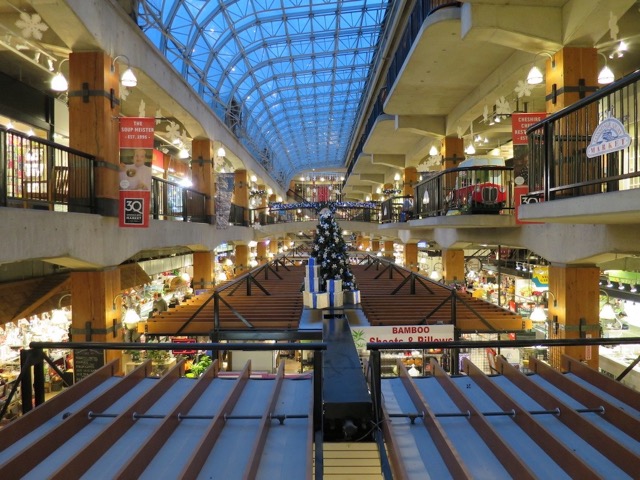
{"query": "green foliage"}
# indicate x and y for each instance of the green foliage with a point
(198, 368)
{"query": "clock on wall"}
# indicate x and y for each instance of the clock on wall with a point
(474, 264)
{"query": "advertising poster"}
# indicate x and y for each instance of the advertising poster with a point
(136, 156)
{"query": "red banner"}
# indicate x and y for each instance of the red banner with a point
(519, 124)
(137, 132)
(136, 151)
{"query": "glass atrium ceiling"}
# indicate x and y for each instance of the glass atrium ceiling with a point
(287, 76)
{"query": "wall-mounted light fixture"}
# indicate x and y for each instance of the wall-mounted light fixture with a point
(436, 274)
(607, 312)
(605, 76)
(538, 313)
(221, 152)
(58, 316)
(535, 76)
(128, 78)
(58, 81)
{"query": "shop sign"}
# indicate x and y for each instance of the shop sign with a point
(402, 333)
(137, 132)
(520, 122)
(610, 136)
(134, 208)
(540, 277)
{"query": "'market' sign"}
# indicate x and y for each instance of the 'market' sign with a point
(608, 137)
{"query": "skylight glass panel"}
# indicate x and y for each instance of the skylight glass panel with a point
(296, 68)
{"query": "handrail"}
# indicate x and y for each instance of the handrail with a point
(559, 146)
(594, 97)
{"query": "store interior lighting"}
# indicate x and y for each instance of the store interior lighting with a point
(128, 78)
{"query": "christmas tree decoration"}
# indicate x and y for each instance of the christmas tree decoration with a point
(330, 254)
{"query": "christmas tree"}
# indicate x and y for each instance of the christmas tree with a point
(330, 252)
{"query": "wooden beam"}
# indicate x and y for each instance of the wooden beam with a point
(616, 452)
(83, 459)
(251, 469)
(510, 460)
(141, 459)
(39, 450)
(612, 413)
(393, 449)
(447, 450)
(558, 451)
(206, 443)
(36, 417)
(619, 390)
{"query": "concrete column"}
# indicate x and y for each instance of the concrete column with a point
(202, 172)
(203, 263)
(93, 294)
(576, 314)
(453, 265)
(94, 107)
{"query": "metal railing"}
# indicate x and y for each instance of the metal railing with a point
(559, 166)
(170, 200)
(36, 173)
(465, 190)
(421, 10)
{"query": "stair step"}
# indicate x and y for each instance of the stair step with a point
(357, 461)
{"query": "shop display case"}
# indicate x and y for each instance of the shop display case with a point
(416, 361)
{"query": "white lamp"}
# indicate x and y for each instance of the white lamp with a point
(128, 78)
(535, 76)
(605, 76)
(131, 318)
(607, 312)
(59, 82)
(538, 314)
(436, 274)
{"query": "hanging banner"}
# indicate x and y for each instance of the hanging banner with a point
(520, 122)
(136, 156)
(224, 192)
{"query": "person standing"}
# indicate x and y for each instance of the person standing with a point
(159, 303)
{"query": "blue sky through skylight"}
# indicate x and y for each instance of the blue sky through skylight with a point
(295, 70)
